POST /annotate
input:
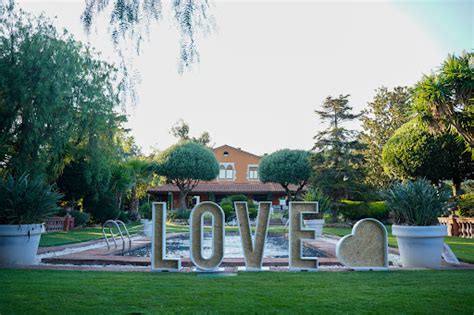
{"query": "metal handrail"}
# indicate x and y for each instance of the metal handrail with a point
(126, 231)
(116, 223)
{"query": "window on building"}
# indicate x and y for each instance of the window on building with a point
(226, 171)
(229, 172)
(222, 172)
(253, 172)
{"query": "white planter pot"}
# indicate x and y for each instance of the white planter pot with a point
(19, 243)
(420, 246)
(316, 224)
(146, 227)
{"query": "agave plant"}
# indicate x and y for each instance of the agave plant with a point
(416, 203)
(324, 202)
(26, 200)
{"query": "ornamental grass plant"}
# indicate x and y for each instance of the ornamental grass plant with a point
(26, 200)
(416, 203)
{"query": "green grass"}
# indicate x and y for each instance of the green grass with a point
(81, 292)
(81, 235)
(462, 247)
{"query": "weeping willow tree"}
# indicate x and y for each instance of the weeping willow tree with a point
(131, 19)
(58, 101)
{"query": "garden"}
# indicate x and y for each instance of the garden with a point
(81, 229)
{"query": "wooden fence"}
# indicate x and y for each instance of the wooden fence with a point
(459, 226)
(59, 224)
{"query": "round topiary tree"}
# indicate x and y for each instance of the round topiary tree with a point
(185, 165)
(413, 152)
(286, 167)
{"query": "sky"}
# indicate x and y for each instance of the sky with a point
(270, 64)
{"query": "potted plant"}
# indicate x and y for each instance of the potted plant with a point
(414, 208)
(24, 205)
(145, 213)
(315, 221)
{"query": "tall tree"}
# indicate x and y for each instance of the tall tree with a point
(185, 165)
(445, 99)
(141, 171)
(384, 115)
(58, 99)
(413, 152)
(336, 164)
(181, 131)
(287, 167)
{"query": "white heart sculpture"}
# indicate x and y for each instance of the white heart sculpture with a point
(366, 248)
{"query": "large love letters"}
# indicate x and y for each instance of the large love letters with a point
(253, 247)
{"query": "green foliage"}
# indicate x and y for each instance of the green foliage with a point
(443, 99)
(188, 161)
(228, 211)
(337, 169)
(58, 99)
(26, 200)
(181, 131)
(356, 210)
(253, 211)
(413, 152)
(185, 164)
(387, 112)
(123, 216)
(416, 203)
(465, 205)
(286, 167)
(314, 194)
(131, 20)
(178, 214)
(145, 210)
(102, 207)
(324, 202)
(80, 218)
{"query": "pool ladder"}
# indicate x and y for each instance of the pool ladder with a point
(116, 224)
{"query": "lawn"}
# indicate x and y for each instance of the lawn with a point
(81, 235)
(86, 292)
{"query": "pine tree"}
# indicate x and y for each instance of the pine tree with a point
(336, 164)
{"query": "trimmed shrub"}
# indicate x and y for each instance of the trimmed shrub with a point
(253, 211)
(179, 214)
(357, 210)
(228, 211)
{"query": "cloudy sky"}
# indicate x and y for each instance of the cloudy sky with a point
(269, 64)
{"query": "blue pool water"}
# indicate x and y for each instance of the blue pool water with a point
(178, 246)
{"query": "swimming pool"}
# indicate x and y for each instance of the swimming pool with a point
(178, 246)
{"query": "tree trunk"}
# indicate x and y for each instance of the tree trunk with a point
(182, 200)
(456, 186)
(334, 215)
(134, 203)
(288, 197)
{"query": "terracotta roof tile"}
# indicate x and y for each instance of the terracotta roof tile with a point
(226, 188)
